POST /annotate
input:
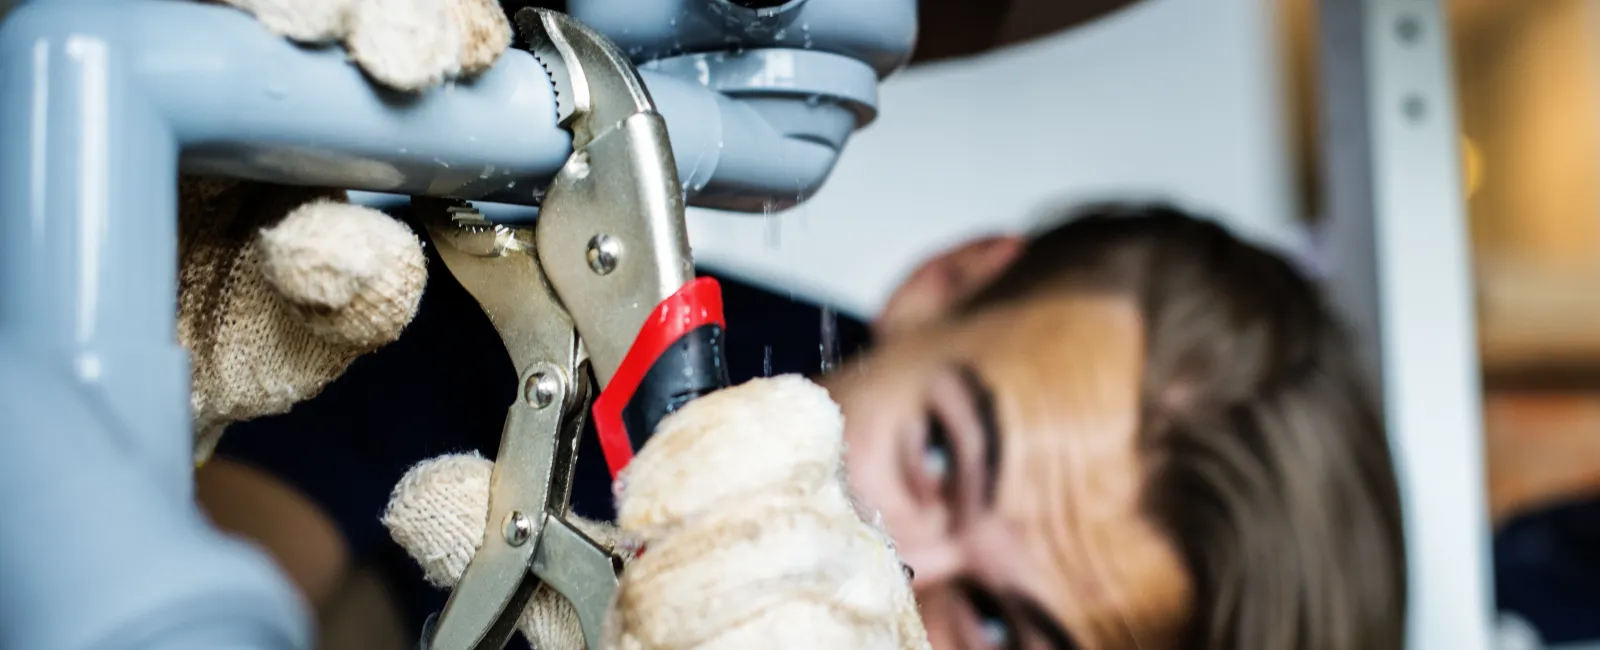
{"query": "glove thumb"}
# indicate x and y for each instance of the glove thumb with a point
(438, 514)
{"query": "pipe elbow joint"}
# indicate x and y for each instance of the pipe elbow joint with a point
(760, 130)
(878, 33)
(789, 82)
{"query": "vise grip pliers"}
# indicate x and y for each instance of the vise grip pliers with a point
(599, 291)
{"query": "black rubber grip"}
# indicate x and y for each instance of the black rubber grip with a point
(691, 367)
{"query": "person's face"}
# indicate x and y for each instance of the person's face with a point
(999, 448)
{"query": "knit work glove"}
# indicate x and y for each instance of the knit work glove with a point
(281, 288)
(402, 44)
(753, 538)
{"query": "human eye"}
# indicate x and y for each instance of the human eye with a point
(995, 627)
(938, 455)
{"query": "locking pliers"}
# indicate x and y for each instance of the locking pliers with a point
(598, 293)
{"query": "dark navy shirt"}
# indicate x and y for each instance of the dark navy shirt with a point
(444, 387)
(1547, 570)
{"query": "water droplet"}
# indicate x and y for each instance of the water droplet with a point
(774, 229)
(782, 34)
(672, 21)
(829, 347)
(511, 185)
(813, 100)
(766, 362)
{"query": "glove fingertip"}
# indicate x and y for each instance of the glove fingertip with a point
(352, 274)
(305, 21)
(438, 512)
(485, 34)
(549, 622)
(402, 45)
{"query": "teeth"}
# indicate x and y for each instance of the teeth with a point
(467, 217)
(530, 23)
(553, 83)
(556, 68)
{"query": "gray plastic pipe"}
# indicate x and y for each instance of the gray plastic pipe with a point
(102, 102)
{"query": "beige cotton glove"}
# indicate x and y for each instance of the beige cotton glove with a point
(752, 538)
(402, 44)
(281, 288)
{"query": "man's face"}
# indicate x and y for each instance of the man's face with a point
(999, 448)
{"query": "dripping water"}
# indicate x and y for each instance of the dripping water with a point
(774, 229)
(829, 347)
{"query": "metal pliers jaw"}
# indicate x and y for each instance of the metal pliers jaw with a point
(599, 292)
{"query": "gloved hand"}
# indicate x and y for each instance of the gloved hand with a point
(753, 538)
(281, 288)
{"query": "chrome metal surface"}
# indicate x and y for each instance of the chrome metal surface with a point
(630, 193)
(580, 570)
(596, 85)
(619, 191)
(533, 469)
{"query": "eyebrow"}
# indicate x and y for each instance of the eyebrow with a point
(983, 404)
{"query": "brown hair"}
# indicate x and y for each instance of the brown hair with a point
(1267, 459)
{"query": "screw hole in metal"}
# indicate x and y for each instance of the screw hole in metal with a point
(1409, 29)
(1415, 108)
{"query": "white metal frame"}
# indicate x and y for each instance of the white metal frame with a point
(1402, 269)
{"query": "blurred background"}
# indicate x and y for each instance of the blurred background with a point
(1212, 103)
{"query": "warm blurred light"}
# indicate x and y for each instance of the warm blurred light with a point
(1471, 166)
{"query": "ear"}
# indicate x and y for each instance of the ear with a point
(945, 281)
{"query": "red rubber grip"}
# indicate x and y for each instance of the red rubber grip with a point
(695, 305)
